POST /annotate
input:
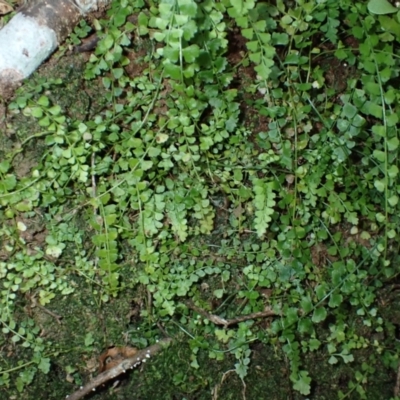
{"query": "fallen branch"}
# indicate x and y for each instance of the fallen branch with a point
(129, 363)
(227, 322)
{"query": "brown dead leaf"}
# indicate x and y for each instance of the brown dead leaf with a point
(238, 211)
(91, 364)
(112, 357)
(5, 8)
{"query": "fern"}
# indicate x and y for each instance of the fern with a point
(264, 203)
(254, 21)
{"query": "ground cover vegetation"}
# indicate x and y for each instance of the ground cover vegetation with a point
(210, 161)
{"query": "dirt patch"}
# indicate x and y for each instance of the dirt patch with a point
(34, 230)
(136, 56)
(236, 47)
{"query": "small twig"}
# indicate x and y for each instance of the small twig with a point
(161, 328)
(121, 368)
(57, 317)
(149, 301)
(218, 385)
(34, 304)
(397, 387)
(93, 165)
(227, 322)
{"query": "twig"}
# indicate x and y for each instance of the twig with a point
(57, 317)
(93, 165)
(34, 304)
(397, 387)
(227, 322)
(218, 386)
(121, 368)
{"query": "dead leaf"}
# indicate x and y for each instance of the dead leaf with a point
(112, 357)
(5, 8)
(289, 178)
(238, 211)
(91, 364)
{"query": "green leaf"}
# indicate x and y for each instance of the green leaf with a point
(349, 111)
(44, 365)
(117, 72)
(248, 33)
(306, 305)
(173, 71)
(106, 43)
(159, 36)
(373, 109)
(188, 7)
(255, 57)
(89, 339)
(143, 22)
(379, 130)
(263, 70)
(380, 217)
(44, 122)
(393, 144)
(392, 119)
(393, 200)
(260, 25)
(379, 185)
(110, 219)
(335, 300)
(154, 152)
(379, 155)
(43, 101)
(314, 344)
(237, 4)
(25, 205)
(19, 384)
(302, 384)
(347, 358)
(390, 96)
(372, 88)
(120, 17)
(332, 360)
(280, 38)
(393, 171)
(15, 338)
(252, 46)
(381, 7)
(389, 24)
(292, 59)
(37, 112)
(9, 182)
(190, 53)
(319, 315)
(242, 22)
(55, 110)
(4, 167)
(241, 370)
